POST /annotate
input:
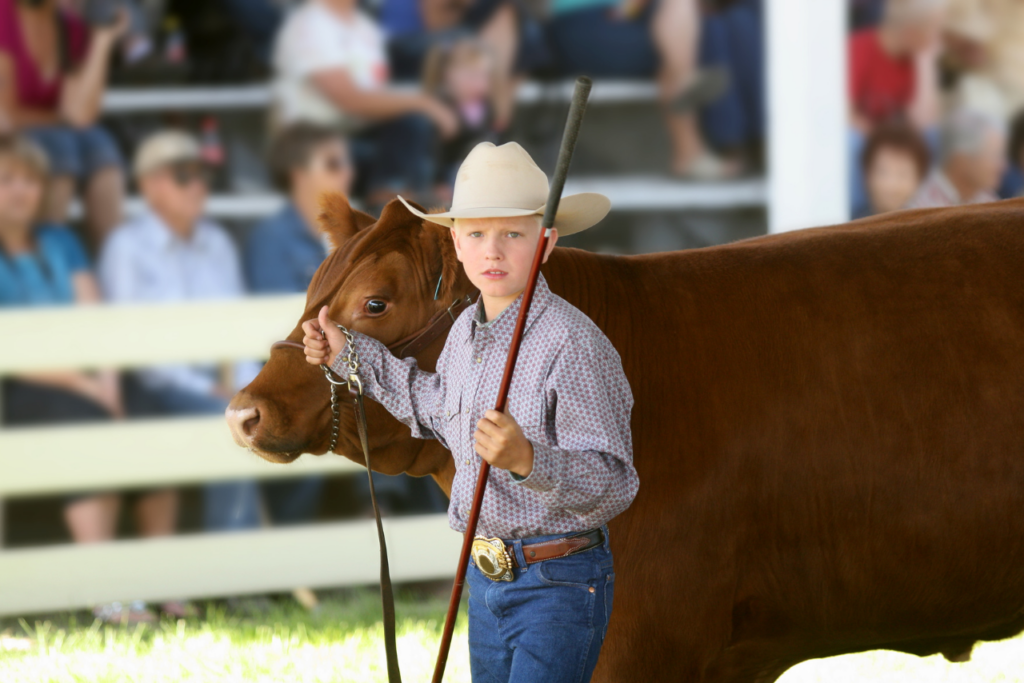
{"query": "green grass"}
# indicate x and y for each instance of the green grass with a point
(342, 642)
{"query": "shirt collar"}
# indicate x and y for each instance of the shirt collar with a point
(163, 237)
(947, 187)
(505, 323)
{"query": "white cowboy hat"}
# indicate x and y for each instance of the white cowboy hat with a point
(501, 182)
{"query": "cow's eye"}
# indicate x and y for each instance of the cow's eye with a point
(376, 306)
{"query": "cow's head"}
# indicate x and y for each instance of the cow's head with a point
(380, 279)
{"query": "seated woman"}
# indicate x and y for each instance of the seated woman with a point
(894, 163)
(45, 265)
(53, 70)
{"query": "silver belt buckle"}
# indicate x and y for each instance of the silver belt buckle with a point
(492, 559)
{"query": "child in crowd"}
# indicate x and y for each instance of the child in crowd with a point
(895, 162)
(541, 581)
(462, 75)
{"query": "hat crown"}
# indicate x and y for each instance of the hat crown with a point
(166, 147)
(499, 177)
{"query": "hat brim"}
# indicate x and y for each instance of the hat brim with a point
(576, 213)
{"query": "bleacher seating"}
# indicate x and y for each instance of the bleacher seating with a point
(628, 192)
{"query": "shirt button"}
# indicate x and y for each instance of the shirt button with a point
(479, 359)
(467, 411)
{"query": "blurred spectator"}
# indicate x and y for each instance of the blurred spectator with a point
(284, 251)
(281, 255)
(53, 70)
(462, 74)
(1013, 179)
(43, 265)
(985, 52)
(514, 38)
(332, 69)
(966, 58)
(640, 39)
(895, 162)
(171, 253)
(972, 159)
(732, 40)
(894, 76)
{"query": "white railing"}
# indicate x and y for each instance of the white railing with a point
(158, 452)
(258, 96)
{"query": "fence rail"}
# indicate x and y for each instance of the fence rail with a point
(161, 452)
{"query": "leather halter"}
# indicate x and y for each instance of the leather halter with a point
(411, 345)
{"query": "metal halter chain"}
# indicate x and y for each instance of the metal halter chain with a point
(351, 359)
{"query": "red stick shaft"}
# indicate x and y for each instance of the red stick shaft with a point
(485, 467)
(572, 129)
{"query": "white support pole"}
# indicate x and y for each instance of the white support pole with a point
(807, 113)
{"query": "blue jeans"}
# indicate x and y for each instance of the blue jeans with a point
(546, 625)
(76, 152)
(591, 41)
(397, 154)
(733, 39)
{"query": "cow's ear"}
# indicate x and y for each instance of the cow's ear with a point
(339, 221)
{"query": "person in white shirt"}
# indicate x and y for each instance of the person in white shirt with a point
(331, 68)
(171, 253)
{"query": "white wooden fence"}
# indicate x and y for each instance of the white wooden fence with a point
(139, 453)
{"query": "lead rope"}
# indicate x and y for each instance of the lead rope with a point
(355, 390)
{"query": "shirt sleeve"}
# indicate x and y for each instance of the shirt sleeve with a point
(411, 395)
(590, 464)
(114, 269)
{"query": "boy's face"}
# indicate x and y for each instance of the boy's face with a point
(497, 252)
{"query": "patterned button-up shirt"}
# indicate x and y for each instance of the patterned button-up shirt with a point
(569, 395)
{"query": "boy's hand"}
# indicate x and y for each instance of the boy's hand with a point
(319, 350)
(500, 441)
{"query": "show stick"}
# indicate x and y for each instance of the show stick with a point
(572, 130)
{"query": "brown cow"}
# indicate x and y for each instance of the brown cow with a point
(829, 430)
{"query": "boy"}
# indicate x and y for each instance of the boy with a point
(541, 582)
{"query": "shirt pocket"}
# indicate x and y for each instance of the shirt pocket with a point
(530, 413)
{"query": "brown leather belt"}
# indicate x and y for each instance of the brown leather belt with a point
(495, 559)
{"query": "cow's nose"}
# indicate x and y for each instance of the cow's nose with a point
(243, 422)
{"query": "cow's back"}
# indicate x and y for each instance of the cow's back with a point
(828, 431)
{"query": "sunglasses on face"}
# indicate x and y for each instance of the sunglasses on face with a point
(185, 175)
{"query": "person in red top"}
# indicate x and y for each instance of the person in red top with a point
(893, 77)
(53, 70)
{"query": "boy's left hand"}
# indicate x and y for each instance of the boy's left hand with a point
(500, 441)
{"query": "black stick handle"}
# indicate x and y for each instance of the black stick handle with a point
(572, 131)
(573, 122)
